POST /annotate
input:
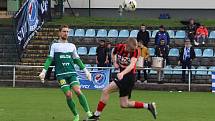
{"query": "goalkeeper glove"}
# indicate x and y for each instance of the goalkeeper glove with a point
(88, 74)
(42, 75)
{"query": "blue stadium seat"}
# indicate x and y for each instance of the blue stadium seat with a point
(208, 53)
(71, 32)
(82, 51)
(153, 71)
(180, 34)
(193, 72)
(113, 33)
(102, 33)
(79, 33)
(123, 33)
(88, 65)
(134, 33)
(174, 52)
(150, 33)
(198, 52)
(212, 35)
(177, 71)
(171, 33)
(90, 33)
(92, 51)
(154, 33)
(201, 72)
(211, 68)
(168, 71)
(152, 51)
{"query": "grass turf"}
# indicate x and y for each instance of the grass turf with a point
(128, 22)
(39, 104)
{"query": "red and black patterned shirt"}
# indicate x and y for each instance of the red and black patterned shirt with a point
(123, 57)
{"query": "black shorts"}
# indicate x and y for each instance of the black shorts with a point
(126, 84)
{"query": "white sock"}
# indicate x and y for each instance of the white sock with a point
(97, 113)
(146, 105)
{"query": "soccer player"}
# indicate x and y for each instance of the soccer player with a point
(65, 56)
(124, 57)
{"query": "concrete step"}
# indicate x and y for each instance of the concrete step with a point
(26, 55)
(37, 51)
(37, 47)
(27, 77)
(32, 64)
(35, 60)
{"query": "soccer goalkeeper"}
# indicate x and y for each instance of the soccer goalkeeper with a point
(65, 56)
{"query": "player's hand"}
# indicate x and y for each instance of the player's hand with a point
(120, 76)
(179, 62)
(42, 75)
(116, 65)
(106, 61)
(88, 74)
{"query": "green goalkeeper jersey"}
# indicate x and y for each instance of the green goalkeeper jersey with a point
(64, 55)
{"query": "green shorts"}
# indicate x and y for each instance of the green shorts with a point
(68, 82)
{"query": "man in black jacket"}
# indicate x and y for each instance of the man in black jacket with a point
(101, 54)
(187, 54)
(143, 36)
(191, 31)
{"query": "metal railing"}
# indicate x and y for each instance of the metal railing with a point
(163, 69)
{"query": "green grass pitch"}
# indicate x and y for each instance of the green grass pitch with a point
(40, 104)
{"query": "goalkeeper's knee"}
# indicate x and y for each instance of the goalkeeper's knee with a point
(68, 94)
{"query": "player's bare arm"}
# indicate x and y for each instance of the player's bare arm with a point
(128, 68)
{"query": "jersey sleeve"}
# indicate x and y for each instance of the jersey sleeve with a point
(51, 53)
(117, 48)
(75, 53)
(135, 54)
(49, 58)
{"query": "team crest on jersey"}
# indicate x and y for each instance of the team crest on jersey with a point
(123, 60)
(33, 14)
(99, 79)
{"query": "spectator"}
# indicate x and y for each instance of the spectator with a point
(201, 34)
(145, 54)
(101, 55)
(162, 50)
(191, 30)
(187, 54)
(143, 35)
(162, 34)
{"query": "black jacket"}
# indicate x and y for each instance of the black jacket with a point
(143, 37)
(192, 54)
(101, 53)
(164, 50)
(191, 29)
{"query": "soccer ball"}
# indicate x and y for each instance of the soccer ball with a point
(130, 5)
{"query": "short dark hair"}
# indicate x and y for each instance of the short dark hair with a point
(102, 40)
(63, 26)
(142, 25)
(161, 26)
(108, 42)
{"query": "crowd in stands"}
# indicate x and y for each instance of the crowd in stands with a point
(196, 34)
